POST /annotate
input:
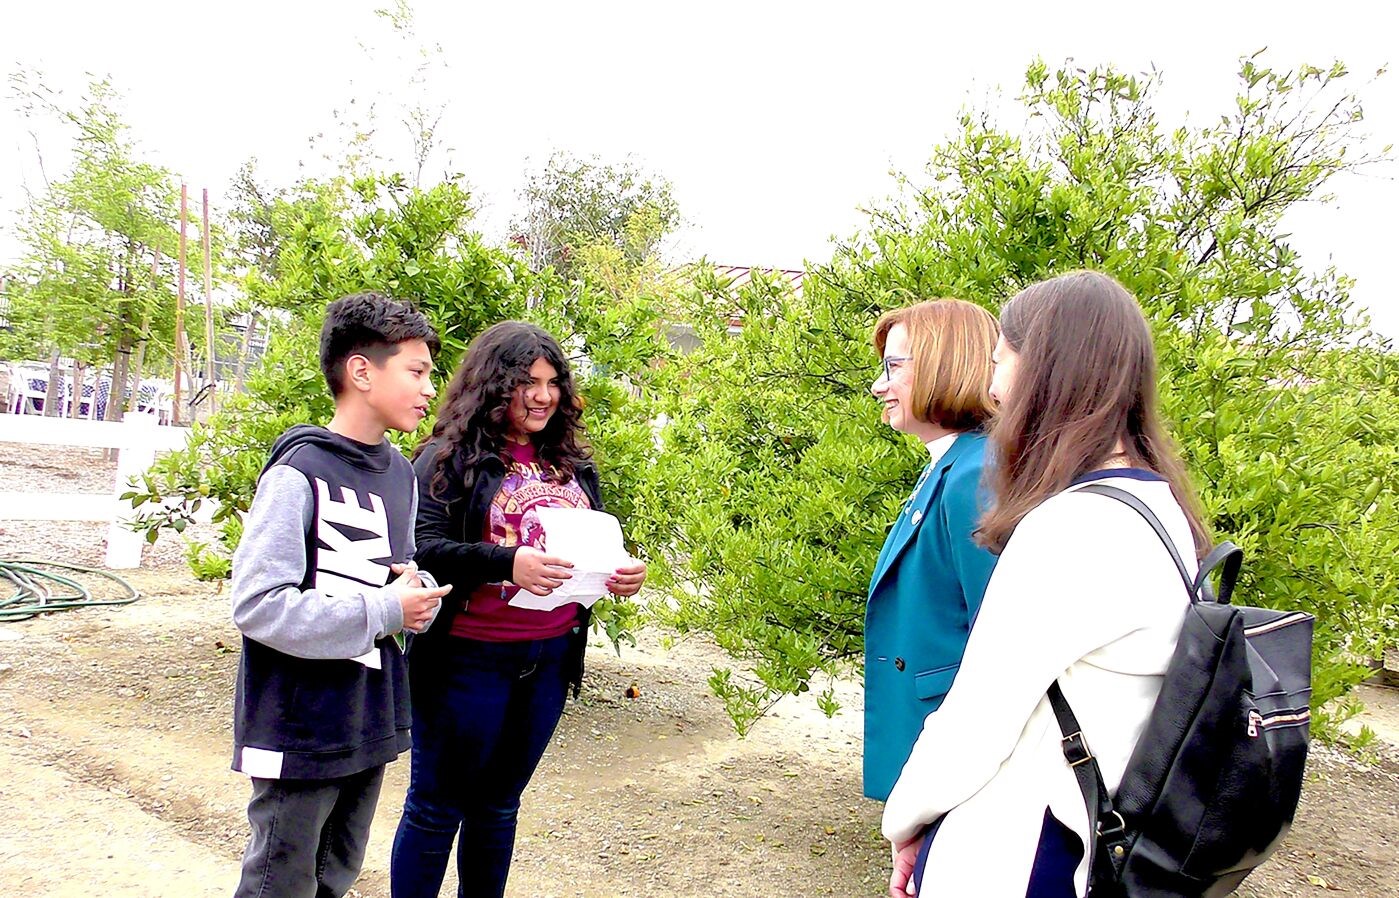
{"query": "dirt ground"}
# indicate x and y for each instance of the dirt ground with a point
(114, 739)
(115, 743)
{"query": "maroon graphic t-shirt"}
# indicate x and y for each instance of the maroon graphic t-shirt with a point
(514, 521)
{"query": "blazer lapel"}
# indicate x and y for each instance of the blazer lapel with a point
(907, 526)
(913, 515)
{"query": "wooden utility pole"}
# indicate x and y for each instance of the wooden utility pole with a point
(175, 415)
(208, 314)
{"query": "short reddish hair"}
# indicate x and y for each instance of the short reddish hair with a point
(952, 341)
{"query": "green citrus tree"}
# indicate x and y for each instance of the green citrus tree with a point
(380, 233)
(1281, 399)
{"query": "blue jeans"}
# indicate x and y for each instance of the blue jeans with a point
(483, 713)
(1056, 859)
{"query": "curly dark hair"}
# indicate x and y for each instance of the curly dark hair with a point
(473, 419)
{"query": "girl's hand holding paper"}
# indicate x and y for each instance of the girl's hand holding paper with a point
(626, 581)
(592, 542)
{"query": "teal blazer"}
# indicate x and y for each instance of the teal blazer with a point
(924, 595)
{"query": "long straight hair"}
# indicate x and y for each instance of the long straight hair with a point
(473, 419)
(1085, 384)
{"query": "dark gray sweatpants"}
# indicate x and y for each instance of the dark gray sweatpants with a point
(308, 836)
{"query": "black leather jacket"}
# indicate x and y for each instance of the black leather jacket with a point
(449, 544)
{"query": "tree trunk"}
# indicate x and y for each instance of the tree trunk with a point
(243, 351)
(121, 371)
(78, 378)
(145, 337)
(53, 397)
(138, 365)
(190, 407)
(121, 362)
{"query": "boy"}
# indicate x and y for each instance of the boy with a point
(322, 696)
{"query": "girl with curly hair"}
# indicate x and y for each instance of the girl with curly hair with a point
(488, 687)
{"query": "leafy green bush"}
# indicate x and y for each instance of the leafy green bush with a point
(377, 233)
(1282, 402)
(762, 501)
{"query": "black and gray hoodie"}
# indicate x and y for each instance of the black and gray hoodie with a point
(322, 688)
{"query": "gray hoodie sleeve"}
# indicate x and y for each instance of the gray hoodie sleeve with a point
(269, 604)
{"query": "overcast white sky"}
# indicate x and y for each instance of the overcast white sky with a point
(774, 121)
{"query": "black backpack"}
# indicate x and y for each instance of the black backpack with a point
(1213, 784)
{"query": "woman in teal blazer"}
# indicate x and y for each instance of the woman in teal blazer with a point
(928, 581)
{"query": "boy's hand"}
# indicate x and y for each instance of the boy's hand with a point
(418, 602)
(539, 573)
(409, 568)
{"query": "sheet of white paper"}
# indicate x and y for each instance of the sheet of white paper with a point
(373, 659)
(592, 540)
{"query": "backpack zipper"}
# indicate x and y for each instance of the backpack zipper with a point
(1295, 617)
(1287, 718)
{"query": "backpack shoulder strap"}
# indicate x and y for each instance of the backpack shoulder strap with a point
(1107, 853)
(1232, 559)
(1107, 830)
(1141, 508)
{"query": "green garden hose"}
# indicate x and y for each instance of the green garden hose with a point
(38, 591)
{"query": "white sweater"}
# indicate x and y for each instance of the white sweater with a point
(1084, 592)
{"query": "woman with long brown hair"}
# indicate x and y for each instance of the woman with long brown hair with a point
(1083, 595)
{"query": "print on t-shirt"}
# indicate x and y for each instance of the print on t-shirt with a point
(514, 521)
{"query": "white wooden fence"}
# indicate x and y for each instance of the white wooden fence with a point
(28, 391)
(137, 440)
